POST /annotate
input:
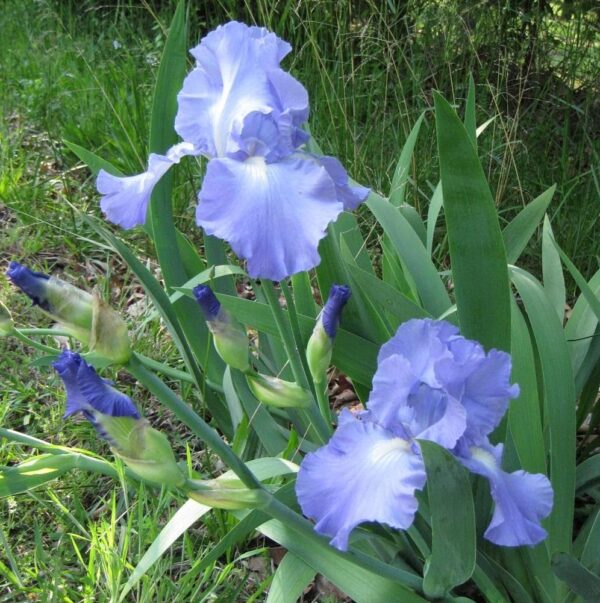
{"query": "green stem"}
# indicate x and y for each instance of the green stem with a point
(164, 369)
(82, 461)
(322, 429)
(40, 332)
(323, 400)
(284, 332)
(34, 344)
(293, 320)
(295, 522)
(196, 424)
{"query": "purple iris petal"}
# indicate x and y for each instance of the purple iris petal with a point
(423, 342)
(365, 473)
(209, 304)
(237, 72)
(351, 196)
(521, 499)
(125, 198)
(34, 284)
(412, 409)
(273, 215)
(87, 392)
(486, 395)
(338, 297)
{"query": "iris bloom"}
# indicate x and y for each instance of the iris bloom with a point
(262, 193)
(431, 384)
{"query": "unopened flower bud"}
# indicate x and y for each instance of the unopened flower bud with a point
(145, 450)
(320, 344)
(277, 392)
(6, 323)
(229, 337)
(225, 494)
(84, 315)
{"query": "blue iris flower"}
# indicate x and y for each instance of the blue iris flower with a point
(431, 383)
(262, 193)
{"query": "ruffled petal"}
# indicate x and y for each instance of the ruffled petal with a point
(486, 396)
(363, 474)
(423, 342)
(237, 72)
(388, 401)
(521, 499)
(272, 215)
(350, 195)
(125, 198)
(403, 405)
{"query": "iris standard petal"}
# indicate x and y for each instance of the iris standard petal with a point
(272, 215)
(67, 366)
(125, 198)
(521, 499)
(412, 409)
(423, 342)
(365, 473)
(350, 195)
(237, 72)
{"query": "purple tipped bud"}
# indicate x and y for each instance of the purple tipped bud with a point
(229, 337)
(34, 284)
(320, 344)
(84, 315)
(116, 419)
(338, 296)
(87, 392)
(208, 301)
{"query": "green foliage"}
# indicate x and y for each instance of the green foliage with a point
(103, 538)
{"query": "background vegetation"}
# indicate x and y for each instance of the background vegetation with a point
(84, 72)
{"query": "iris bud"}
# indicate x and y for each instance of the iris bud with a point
(229, 337)
(84, 315)
(145, 450)
(228, 494)
(6, 323)
(320, 344)
(277, 392)
(116, 419)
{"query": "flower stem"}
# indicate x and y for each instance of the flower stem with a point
(34, 344)
(323, 400)
(321, 428)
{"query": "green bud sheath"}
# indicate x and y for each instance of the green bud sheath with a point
(108, 335)
(277, 392)
(145, 450)
(225, 494)
(318, 353)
